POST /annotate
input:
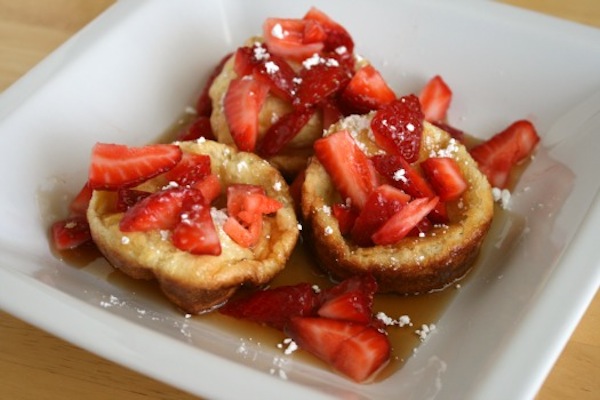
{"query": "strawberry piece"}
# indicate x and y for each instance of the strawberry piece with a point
(191, 168)
(204, 103)
(365, 283)
(81, 201)
(314, 32)
(345, 215)
(283, 131)
(246, 235)
(209, 186)
(159, 210)
(71, 232)
(381, 204)
(445, 177)
(356, 350)
(401, 223)
(332, 112)
(320, 78)
(501, 152)
(196, 232)
(236, 194)
(259, 203)
(337, 37)
(454, 132)
(114, 166)
(274, 307)
(285, 38)
(127, 198)
(350, 300)
(366, 91)
(200, 127)
(398, 127)
(435, 98)
(350, 170)
(242, 103)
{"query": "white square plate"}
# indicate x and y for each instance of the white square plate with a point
(128, 75)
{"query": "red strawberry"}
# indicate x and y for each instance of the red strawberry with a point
(350, 300)
(160, 210)
(382, 203)
(80, 203)
(191, 169)
(350, 170)
(336, 35)
(274, 307)
(345, 215)
(499, 154)
(236, 194)
(365, 283)
(127, 198)
(196, 232)
(199, 127)
(209, 186)
(356, 350)
(283, 131)
(398, 127)
(242, 103)
(285, 38)
(331, 112)
(401, 223)
(244, 234)
(435, 99)
(445, 177)
(402, 175)
(320, 78)
(204, 103)
(366, 91)
(115, 166)
(70, 233)
(314, 32)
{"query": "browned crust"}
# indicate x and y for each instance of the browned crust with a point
(415, 264)
(199, 283)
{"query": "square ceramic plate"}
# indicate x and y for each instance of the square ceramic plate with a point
(128, 75)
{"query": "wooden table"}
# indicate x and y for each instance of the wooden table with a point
(36, 365)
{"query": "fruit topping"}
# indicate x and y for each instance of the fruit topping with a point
(204, 103)
(283, 131)
(196, 231)
(435, 99)
(114, 166)
(445, 177)
(320, 78)
(70, 233)
(366, 91)
(285, 37)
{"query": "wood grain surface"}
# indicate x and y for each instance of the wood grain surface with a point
(36, 365)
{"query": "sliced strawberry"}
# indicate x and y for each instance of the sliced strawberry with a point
(398, 127)
(70, 233)
(196, 232)
(114, 166)
(259, 203)
(435, 99)
(274, 307)
(285, 38)
(81, 201)
(350, 300)
(356, 350)
(350, 170)
(236, 194)
(382, 203)
(242, 103)
(332, 112)
(314, 32)
(345, 215)
(204, 103)
(244, 234)
(127, 198)
(499, 154)
(320, 78)
(366, 91)
(401, 223)
(445, 177)
(191, 168)
(209, 186)
(365, 283)
(283, 131)
(454, 132)
(337, 36)
(160, 210)
(199, 128)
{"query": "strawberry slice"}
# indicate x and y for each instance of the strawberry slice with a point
(445, 177)
(350, 170)
(283, 131)
(81, 201)
(114, 166)
(350, 300)
(356, 350)
(320, 78)
(244, 234)
(435, 98)
(71, 232)
(236, 194)
(274, 307)
(127, 198)
(337, 37)
(196, 232)
(345, 215)
(366, 91)
(242, 103)
(200, 127)
(285, 38)
(191, 168)
(209, 186)
(381, 204)
(332, 112)
(159, 210)
(204, 103)
(501, 152)
(401, 223)
(398, 127)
